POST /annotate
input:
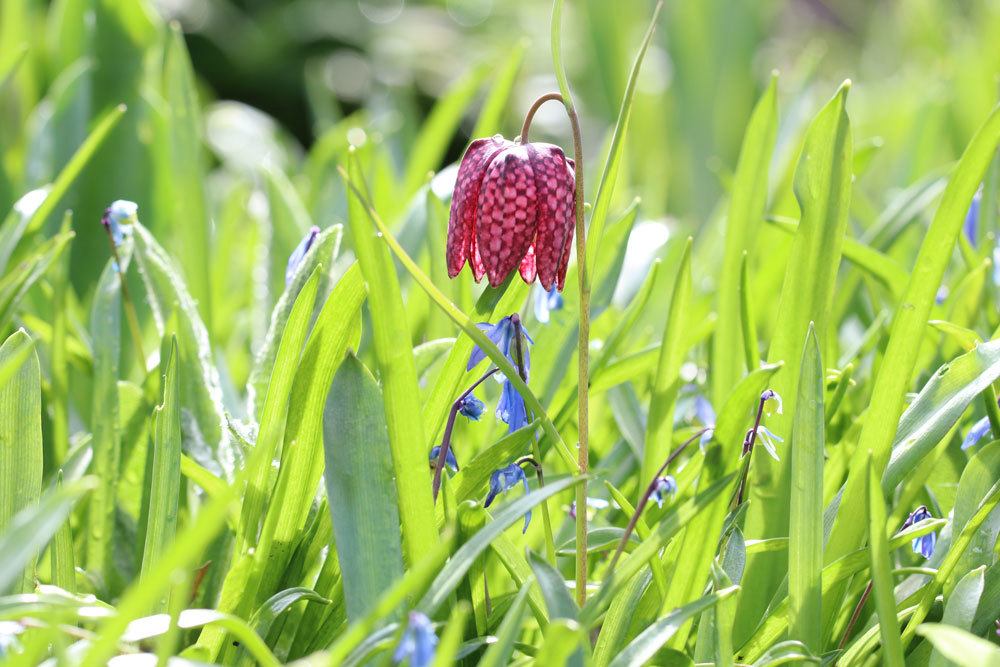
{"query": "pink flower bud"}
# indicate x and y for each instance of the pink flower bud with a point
(514, 208)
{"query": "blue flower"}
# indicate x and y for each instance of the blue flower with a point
(771, 395)
(971, 225)
(768, 438)
(300, 253)
(923, 545)
(663, 487)
(450, 461)
(118, 218)
(472, 407)
(511, 409)
(976, 433)
(502, 335)
(942, 295)
(419, 642)
(545, 302)
(592, 503)
(705, 414)
(503, 480)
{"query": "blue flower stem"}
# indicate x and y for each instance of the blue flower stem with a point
(130, 313)
(550, 543)
(855, 616)
(644, 500)
(449, 427)
(748, 444)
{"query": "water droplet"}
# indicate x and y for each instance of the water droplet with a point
(497, 137)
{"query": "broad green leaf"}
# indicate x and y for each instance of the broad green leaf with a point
(20, 451)
(700, 539)
(746, 209)
(206, 438)
(666, 381)
(982, 470)
(359, 485)
(392, 342)
(805, 528)
(62, 555)
(960, 647)
(165, 476)
(557, 597)
(823, 191)
(938, 406)
(896, 370)
(881, 569)
(960, 608)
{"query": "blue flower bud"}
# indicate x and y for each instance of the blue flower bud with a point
(504, 479)
(300, 252)
(419, 642)
(472, 408)
(663, 487)
(450, 461)
(923, 545)
(546, 302)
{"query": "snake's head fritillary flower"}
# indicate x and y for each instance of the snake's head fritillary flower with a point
(665, 486)
(504, 479)
(923, 545)
(418, 643)
(118, 219)
(513, 208)
(545, 302)
(300, 253)
(450, 461)
(472, 408)
(976, 433)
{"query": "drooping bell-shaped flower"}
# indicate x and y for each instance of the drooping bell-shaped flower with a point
(419, 642)
(472, 408)
(923, 545)
(504, 479)
(665, 486)
(300, 253)
(450, 461)
(118, 219)
(513, 208)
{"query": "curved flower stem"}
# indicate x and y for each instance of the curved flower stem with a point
(748, 444)
(550, 543)
(583, 285)
(855, 616)
(449, 427)
(644, 500)
(130, 313)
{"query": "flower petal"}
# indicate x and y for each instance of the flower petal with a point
(464, 201)
(506, 217)
(556, 208)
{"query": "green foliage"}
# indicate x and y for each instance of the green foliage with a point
(208, 456)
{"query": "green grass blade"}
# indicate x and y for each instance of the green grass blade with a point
(20, 448)
(430, 144)
(105, 331)
(400, 392)
(881, 568)
(61, 553)
(27, 532)
(960, 608)
(644, 647)
(491, 115)
(805, 528)
(558, 600)
(463, 559)
(360, 487)
(606, 187)
(499, 653)
(165, 478)
(72, 170)
(188, 202)
(746, 209)
(890, 385)
(15, 285)
(666, 381)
